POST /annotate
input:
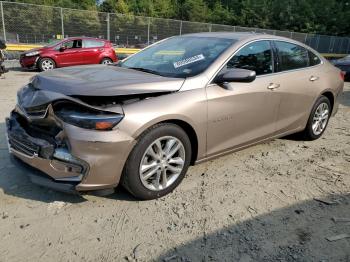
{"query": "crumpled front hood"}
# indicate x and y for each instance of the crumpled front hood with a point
(38, 100)
(101, 80)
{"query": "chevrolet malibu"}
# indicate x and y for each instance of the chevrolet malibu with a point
(179, 102)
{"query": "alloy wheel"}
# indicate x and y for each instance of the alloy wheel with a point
(47, 65)
(106, 62)
(162, 163)
(320, 118)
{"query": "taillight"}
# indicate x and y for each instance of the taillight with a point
(342, 75)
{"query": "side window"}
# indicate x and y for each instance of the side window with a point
(68, 44)
(92, 43)
(256, 56)
(71, 44)
(314, 59)
(291, 56)
(77, 43)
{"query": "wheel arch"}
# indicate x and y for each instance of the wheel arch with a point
(191, 133)
(188, 128)
(43, 57)
(330, 97)
(105, 57)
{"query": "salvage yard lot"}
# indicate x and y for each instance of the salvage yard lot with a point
(259, 204)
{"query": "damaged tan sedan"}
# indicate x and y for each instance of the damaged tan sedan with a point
(181, 101)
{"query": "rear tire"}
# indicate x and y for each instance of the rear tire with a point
(106, 61)
(153, 169)
(46, 64)
(318, 119)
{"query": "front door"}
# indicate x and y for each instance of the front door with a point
(70, 54)
(246, 113)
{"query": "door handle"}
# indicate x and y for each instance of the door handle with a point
(313, 78)
(273, 86)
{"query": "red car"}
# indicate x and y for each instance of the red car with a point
(69, 52)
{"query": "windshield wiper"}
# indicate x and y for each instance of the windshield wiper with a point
(145, 70)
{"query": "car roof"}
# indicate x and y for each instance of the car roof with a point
(241, 36)
(84, 37)
(227, 35)
(246, 37)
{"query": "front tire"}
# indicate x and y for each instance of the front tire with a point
(318, 119)
(46, 64)
(158, 162)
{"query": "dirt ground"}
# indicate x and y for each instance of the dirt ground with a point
(259, 204)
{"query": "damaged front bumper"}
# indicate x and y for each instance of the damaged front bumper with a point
(29, 62)
(88, 160)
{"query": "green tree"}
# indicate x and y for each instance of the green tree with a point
(255, 13)
(114, 6)
(164, 8)
(194, 10)
(79, 4)
(220, 14)
(321, 16)
(122, 7)
(108, 6)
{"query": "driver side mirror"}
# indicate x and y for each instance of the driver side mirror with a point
(62, 48)
(235, 75)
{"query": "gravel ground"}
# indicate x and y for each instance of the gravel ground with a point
(259, 204)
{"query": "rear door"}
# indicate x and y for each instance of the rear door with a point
(298, 77)
(246, 113)
(92, 50)
(71, 54)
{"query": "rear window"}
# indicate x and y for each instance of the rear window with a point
(92, 43)
(291, 56)
(314, 59)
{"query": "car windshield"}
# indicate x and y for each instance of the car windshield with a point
(53, 43)
(179, 56)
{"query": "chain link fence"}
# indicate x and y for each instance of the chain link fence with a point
(37, 24)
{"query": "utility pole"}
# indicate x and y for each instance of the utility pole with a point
(62, 23)
(108, 28)
(148, 29)
(3, 20)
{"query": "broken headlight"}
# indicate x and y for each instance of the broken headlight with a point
(87, 118)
